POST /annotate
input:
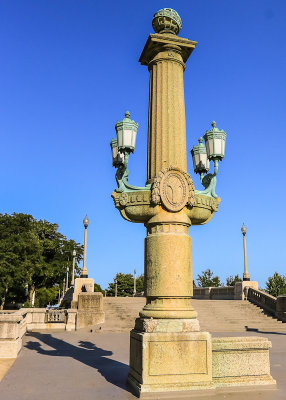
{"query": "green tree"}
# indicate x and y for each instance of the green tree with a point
(208, 279)
(124, 285)
(276, 285)
(231, 280)
(140, 284)
(32, 253)
(97, 288)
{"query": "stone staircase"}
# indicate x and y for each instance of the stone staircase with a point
(120, 313)
(214, 315)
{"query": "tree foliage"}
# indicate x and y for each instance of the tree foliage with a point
(33, 253)
(125, 285)
(97, 288)
(276, 284)
(207, 279)
(231, 280)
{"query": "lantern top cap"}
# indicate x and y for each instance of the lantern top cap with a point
(126, 122)
(243, 229)
(214, 128)
(86, 221)
(167, 20)
(199, 148)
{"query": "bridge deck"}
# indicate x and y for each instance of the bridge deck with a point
(87, 365)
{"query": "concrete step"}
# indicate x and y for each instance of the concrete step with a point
(214, 315)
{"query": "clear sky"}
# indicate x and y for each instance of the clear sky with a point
(69, 71)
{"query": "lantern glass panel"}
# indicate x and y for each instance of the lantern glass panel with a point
(218, 146)
(120, 138)
(211, 147)
(134, 138)
(223, 147)
(194, 162)
(127, 139)
(203, 160)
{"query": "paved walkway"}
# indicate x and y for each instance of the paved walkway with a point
(85, 366)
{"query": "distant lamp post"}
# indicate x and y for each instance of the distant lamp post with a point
(115, 281)
(202, 154)
(67, 278)
(246, 276)
(73, 267)
(134, 288)
(84, 273)
(64, 286)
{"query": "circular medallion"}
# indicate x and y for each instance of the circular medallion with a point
(123, 199)
(174, 190)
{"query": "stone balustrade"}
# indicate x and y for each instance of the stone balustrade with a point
(262, 299)
(274, 305)
(214, 293)
(15, 324)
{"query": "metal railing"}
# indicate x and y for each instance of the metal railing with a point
(262, 299)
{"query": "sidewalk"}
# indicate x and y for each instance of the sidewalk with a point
(89, 366)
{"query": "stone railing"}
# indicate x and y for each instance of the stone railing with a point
(56, 316)
(274, 305)
(15, 324)
(214, 293)
(262, 299)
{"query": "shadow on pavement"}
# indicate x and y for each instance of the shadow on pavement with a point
(258, 331)
(86, 352)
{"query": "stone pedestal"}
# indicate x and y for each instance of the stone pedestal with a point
(90, 310)
(170, 355)
(241, 361)
(240, 289)
(81, 285)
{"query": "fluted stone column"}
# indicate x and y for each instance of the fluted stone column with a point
(165, 55)
(168, 246)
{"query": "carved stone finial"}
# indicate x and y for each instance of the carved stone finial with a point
(127, 114)
(214, 124)
(167, 20)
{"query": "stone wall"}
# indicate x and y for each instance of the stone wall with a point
(15, 324)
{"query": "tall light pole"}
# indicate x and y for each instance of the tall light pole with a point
(73, 267)
(67, 278)
(115, 281)
(134, 287)
(84, 273)
(64, 286)
(246, 276)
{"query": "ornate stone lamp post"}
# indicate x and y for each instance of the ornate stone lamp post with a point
(84, 273)
(115, 282)
(67, 278)
(167, 350)
(246, 276)
(134, 283)
(73, 267)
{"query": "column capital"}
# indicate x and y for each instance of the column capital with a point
(158, 42)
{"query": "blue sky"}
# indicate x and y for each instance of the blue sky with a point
(69, 71)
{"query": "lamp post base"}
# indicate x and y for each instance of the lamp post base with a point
(170, 361)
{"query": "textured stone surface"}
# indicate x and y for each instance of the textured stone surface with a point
(241, 361)
(239, 290)
(90, 310)
(82, 285)
(167, 325)
(170, 361)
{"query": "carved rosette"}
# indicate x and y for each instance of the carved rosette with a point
(173, 188)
